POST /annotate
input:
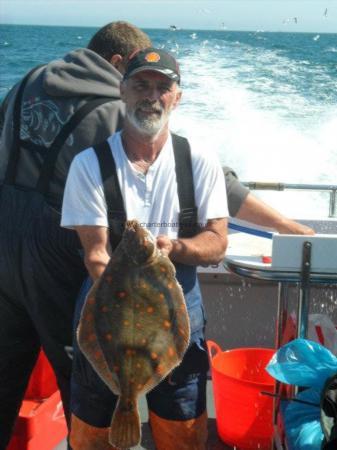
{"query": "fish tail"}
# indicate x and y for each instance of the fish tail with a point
(125, 430)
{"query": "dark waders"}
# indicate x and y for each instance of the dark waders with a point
(41, 271)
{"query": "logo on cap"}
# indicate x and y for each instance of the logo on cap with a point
(152, 57)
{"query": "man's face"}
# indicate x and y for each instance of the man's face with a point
(149, 98)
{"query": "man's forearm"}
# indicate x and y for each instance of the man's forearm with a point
(256, 211)
(207, 247)
(204, 249)
(96, 265)
(95, 242)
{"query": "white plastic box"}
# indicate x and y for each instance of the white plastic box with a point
(287, 252)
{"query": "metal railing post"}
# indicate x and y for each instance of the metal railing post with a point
(332, 203)
(277, 186)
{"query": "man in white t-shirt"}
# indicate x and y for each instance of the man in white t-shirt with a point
(146, 172)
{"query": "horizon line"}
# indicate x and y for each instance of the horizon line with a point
(173, 31)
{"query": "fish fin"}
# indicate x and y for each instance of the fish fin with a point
(125, 430)
(88, 343)
(182, 325)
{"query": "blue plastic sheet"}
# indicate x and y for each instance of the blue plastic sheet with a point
(302, 422)
(308, 364)
(303, 363)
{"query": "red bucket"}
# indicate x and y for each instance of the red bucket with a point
(42, 383)
(244, 416)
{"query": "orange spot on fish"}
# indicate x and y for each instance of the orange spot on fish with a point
(170, 285)
(161, 297)
(139, 387)
(167, 324)
(144, 285)
(121, 294)
(138, 365)
(130, 352)
(160, 369)
(91, 300)
(144, 341)
(163, 269)
(154, 355)
(97, 355)
(126, 323)
(171, 352)
(150, 309)
(108, 336)
(138, 325)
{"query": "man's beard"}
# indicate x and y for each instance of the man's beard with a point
(148, 125)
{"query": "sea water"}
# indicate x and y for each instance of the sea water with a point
(266, 103)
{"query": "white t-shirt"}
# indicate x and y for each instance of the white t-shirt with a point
(150, 198)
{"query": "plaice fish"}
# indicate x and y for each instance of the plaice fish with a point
(134, 327)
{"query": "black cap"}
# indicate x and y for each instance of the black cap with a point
(153, 59)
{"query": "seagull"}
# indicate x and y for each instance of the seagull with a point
(290, 19)
(325, 12)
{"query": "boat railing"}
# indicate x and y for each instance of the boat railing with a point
(274, 186)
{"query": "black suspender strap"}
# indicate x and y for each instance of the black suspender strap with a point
(120, 121)
(188, 216)
(49, 162)
(112, 192)
(15, 148)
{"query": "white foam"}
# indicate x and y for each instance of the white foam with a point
(266, 131)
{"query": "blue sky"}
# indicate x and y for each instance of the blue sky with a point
(268, 15)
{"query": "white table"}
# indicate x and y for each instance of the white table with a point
(245, 258)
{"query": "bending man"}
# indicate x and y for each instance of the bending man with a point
(41, 265)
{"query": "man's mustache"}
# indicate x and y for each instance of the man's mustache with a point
(150, 107)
